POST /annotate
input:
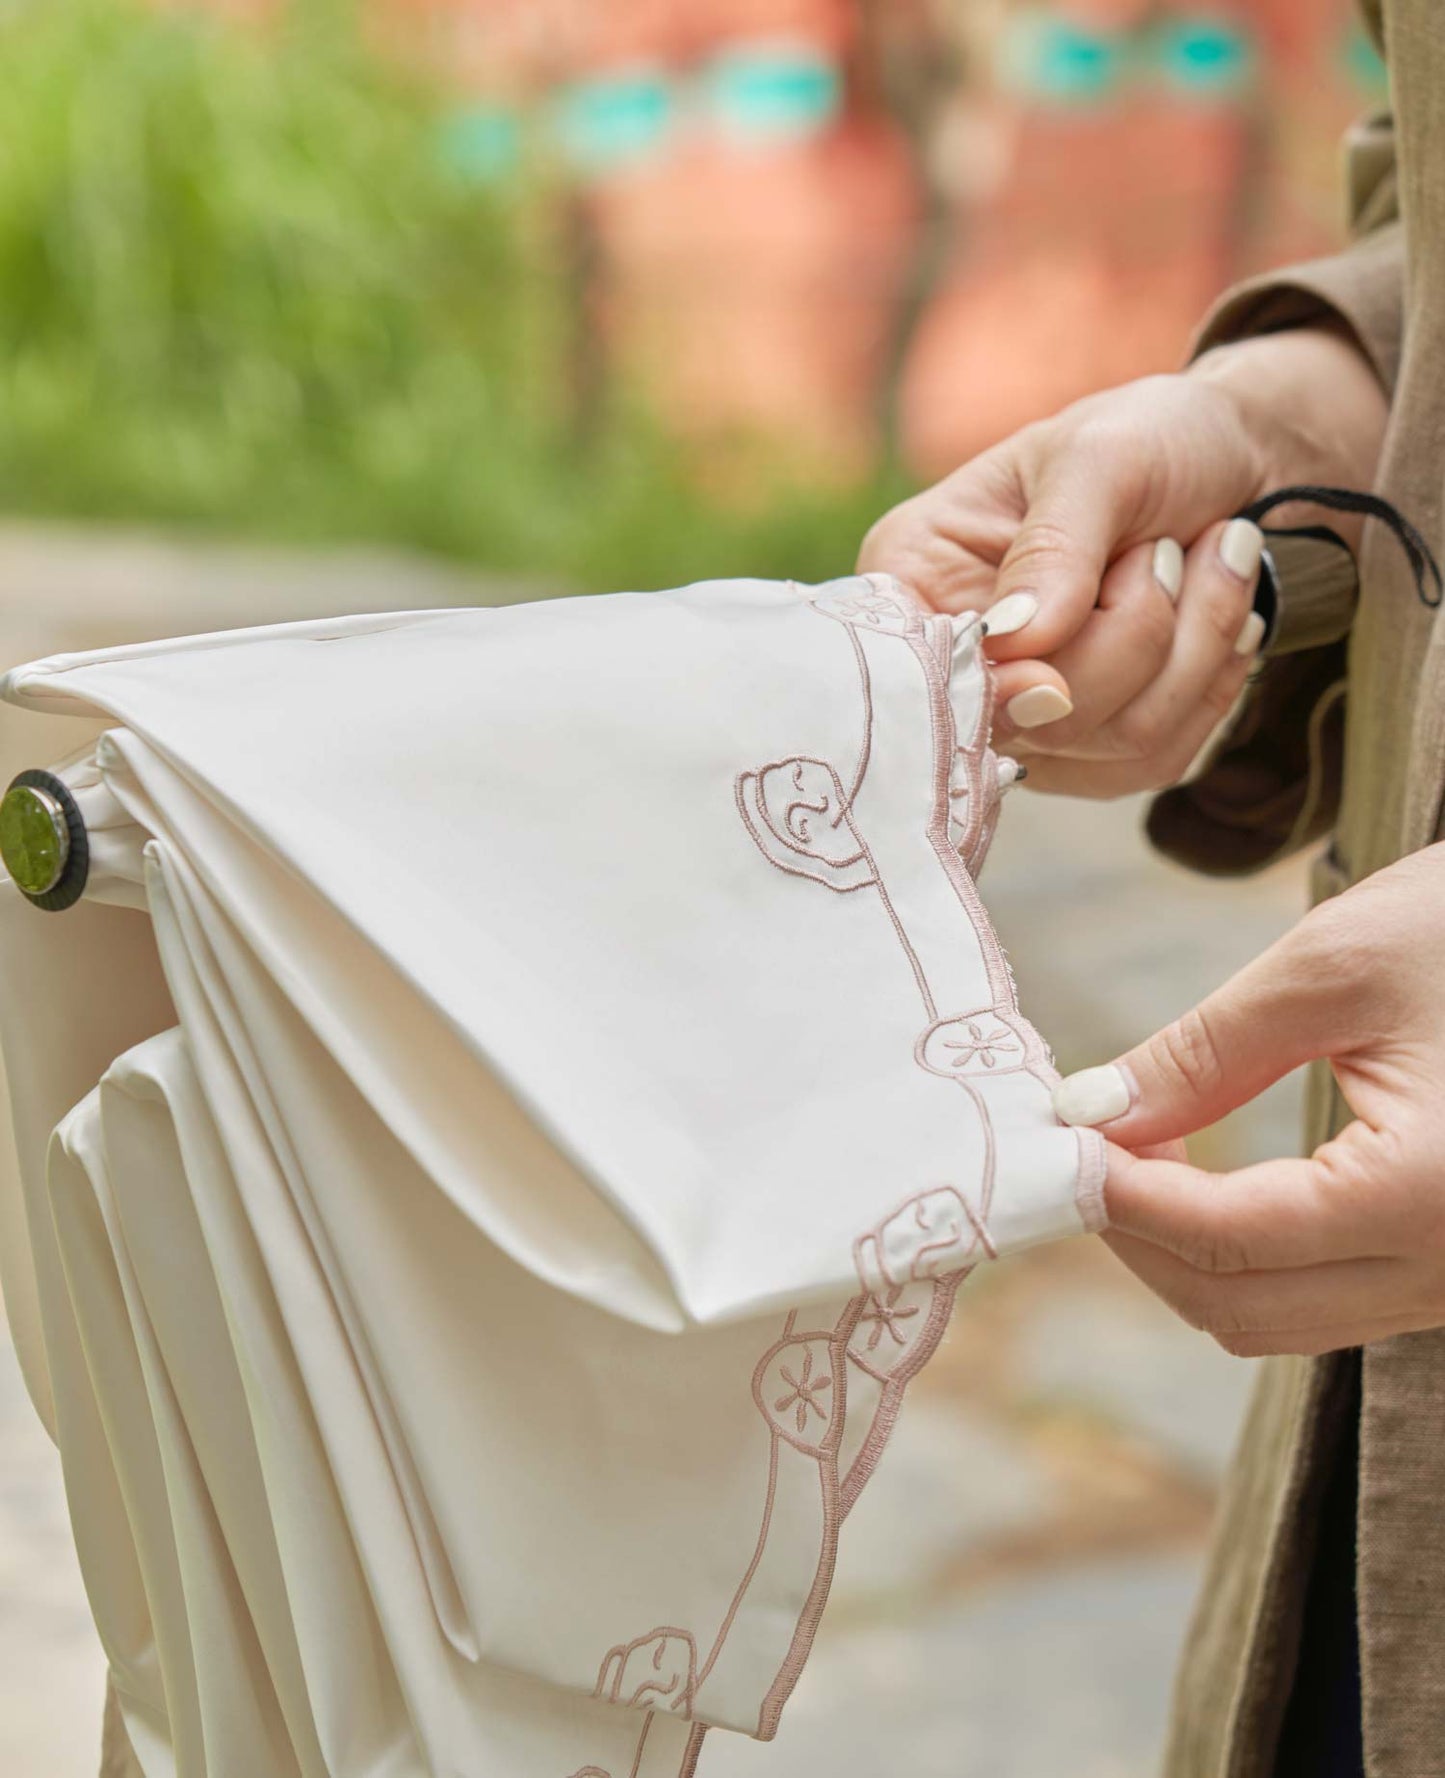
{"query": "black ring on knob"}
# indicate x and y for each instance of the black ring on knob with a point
(1268, 598)
(70, 886)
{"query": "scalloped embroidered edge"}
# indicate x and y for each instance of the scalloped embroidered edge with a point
(932, 641)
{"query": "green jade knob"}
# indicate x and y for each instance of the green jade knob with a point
(34, 838)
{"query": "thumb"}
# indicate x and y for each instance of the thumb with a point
(1279, 1012)
(1052, 570)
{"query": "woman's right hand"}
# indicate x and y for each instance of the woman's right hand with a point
(1100, 544)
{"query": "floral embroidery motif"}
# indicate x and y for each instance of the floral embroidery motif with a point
(657, 1671)
(870, 605)
(985, 1047)
(796, 1390)
(883, 1316)
(591, 1772)
(893, 1323)
(804, 1391)
(986, 1041)
(800, 816)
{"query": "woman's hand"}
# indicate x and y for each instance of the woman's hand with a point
(1118, 650)
(1307, 1255)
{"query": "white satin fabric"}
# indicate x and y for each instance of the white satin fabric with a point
(525, 1086)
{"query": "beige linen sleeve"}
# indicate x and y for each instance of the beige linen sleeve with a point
(1271, 783)
(1363, 286)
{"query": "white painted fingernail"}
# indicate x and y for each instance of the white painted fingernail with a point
(1094, 1095)
(1169, 566)
(1038, 705)
(1011, 614)
(1241, 544)
(1251, 634)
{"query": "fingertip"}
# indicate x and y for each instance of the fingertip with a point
(1009, 615)
(1059, 557)
(1024, 623)
(1012, 677)
(1167, 563)
(1030, 695)
(1094, 1096)
(1241, 548)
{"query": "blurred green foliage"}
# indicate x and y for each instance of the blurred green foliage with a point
(240, 287)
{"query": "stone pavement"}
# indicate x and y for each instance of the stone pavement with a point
(1014, 1583)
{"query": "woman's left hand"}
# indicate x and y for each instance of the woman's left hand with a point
(1347, 1245)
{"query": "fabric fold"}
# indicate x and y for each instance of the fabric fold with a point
(588, 1073)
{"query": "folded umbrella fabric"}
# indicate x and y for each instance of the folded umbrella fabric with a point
(501, 1130)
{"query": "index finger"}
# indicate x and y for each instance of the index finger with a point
(1072, 528)
(946, 543)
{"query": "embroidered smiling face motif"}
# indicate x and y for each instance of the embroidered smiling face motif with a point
(934, 1234)
(804, 806)
(656, 1672)
(797, 812)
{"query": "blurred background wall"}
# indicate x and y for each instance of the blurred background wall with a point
(866, 228)
(621, 290)
(298, 298)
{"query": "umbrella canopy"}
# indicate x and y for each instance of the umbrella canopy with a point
(500, 1128)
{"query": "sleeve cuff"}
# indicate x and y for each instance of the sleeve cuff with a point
(1361, 287)
(1318, 585)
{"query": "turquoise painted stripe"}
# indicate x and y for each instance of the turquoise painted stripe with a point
(1203, 55)
(761, 95)
(1049, 58)
(607, 123)
(1044, 56)
(484, 142)
(1365, 66)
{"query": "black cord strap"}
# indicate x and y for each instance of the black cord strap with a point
(1429, 584)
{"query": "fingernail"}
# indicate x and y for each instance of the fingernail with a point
(1095, 1095)
(1011, 614)
(1240, 546)
(1251, 634)
(1038, 705)
(1169, 566)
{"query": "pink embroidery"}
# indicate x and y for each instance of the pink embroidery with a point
(812, 1612)
(691, 1752)
(871, 602)
(865, 752)
(803, 1390)
(657, 1671)
(932, 1236)
(886, 1315)
(978, 1043)
(986, 1047)
(801, 819)
(846, 1344)
(905, 1368)
(980, 791)
(796, 1388)
(929, 1236)
(1093, 1170)
(798, 815)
